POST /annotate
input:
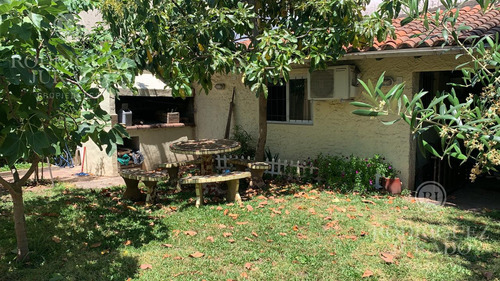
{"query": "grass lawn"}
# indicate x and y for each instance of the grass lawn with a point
(285, 233)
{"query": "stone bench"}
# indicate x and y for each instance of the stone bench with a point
(150, 179)
(257, 170)
(233, 183)
(173, 170)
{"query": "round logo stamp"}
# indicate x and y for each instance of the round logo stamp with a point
(431, 193)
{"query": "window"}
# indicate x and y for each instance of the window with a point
(288, 103)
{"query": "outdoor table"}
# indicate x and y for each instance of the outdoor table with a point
(150, 179)
(205, 148)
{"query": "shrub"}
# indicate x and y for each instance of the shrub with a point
(352, 173)
(246, 141)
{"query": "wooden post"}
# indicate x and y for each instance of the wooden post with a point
(50, 172)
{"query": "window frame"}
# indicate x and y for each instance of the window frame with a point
(287, 101)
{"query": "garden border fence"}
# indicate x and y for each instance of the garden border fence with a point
(278, 167)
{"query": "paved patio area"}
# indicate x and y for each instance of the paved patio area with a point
(69, 175)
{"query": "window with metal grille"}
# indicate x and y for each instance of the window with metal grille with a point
(288, 103)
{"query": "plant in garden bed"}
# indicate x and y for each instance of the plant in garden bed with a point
(352, 173)
(246, 140)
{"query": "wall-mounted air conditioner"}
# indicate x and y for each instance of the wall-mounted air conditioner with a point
(338, 82)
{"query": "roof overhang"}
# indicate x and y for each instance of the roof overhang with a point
(410, 52)
(148, 86)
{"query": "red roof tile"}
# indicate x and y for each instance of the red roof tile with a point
(412, 34)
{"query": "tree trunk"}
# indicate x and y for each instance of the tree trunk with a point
(261, 144)
(16, 192)
(20, 226)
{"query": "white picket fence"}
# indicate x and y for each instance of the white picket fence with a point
(278, 167)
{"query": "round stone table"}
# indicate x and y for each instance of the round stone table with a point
(205, 148)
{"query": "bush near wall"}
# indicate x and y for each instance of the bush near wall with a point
(352, 173)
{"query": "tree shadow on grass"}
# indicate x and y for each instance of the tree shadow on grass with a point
(473, 242)
(80, 235)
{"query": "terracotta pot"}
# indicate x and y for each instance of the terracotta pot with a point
(392, 186)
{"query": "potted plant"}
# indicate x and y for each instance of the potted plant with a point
(390, 180)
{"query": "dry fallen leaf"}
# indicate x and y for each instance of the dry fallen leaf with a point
(227, 234)
(210, 238)
(145, 266)
(282, 233)
(249, 208)
(488, 275)
(244, 274)
(233, 216)
(178, 258)
(367, 273)
(56, 239)
(368, 202)
(231, 240)
(95, 245)
(410, 255)
(249, 239)
(295, 228)
(197, 255)
(226, 211)
(190, 233)
(255, 234)
(241, 222)
(167, 245)
(248, 265)
(128, 242)
(387, 257)
(219, 208)
(301, 236)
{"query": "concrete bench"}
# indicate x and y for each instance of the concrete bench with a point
(257, 170)
(173, 170)
(233, 183)
(150, 179)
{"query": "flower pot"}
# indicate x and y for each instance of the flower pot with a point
(392, 186)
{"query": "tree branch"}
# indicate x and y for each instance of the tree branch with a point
(6, 185)
(83, 90)
(180, 9)
(30, 171)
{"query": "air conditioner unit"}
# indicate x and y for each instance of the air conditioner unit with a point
(338, 82)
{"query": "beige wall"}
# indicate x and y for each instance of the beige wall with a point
(335, 130)
(154, 145)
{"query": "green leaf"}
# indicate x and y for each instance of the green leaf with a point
(431, 149)
(364, 112)
(391, 122)
(361, 104)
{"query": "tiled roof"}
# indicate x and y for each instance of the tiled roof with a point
(413, 35)
(481, 24)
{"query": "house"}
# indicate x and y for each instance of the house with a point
(300, 127)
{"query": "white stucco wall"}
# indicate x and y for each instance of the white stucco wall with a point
(335, 129)
(153, 143)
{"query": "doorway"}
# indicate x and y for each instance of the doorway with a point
(451, 173)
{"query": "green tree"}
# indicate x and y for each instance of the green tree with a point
(52, 77)
(185, 42)
(468, 129)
